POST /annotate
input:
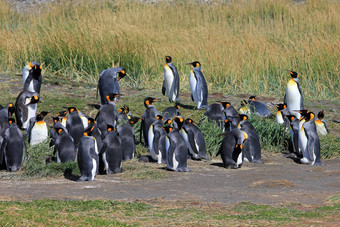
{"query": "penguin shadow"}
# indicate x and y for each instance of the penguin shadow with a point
(218, 164)
(70, 176)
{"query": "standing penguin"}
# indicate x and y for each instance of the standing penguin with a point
(37, 131)
(5, 114)
(230, 114)
(25, 108)
(107, 113)
(112, 151)
(281, 113)
(231, 148)
(53, 132)
(33, 81)
(198, 86)
(259, 108)
(88, 160)
(74, 125)
(215, 112)
(252, 146)
(171, 81)
(64, 146)
(313, 142)
(156, 137)
(127, 138)
(321, 124)
(176, 151)
(12, 147)
(108, 82)
(148, 117)
(294, 132)
(293, 97)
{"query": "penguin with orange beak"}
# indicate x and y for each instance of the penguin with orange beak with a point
(108, 82)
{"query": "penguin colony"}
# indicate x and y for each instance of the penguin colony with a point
(100, 144)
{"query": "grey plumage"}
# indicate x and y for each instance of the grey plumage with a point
(171, 81)
(25, 107)
(108, 82)
(198, 86)
(87, 158)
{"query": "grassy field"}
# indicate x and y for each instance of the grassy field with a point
(243, 46)
(161, 213)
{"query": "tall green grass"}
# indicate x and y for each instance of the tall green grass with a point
(243, 46)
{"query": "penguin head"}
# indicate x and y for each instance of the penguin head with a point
(281, 106)
(227, 125)
(159, 117)
(179, 121)
(11, 109)
(62, 113)
(59, 130)
(168, 59)
(149, 100)
(134, 120)
(238, 147)
(291, 117)
(243, 117)
(293, 74)
(252, 98)
(168, 128)
(126, 109)
(34, 99)
(321, 115)
(40, 116)
(168, 122)
(121, 74)
(72, 109)
(111, 97)
(91, 122)
(309, 116)
(195, 64)
(11, 121)
(190, 121)
(110, 128)
(88, 131)
(303, 113)
(56, 119)
(225, 104)
(36, 69)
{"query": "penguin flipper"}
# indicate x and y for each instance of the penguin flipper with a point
(192, 141)
(163, 88)
(156, 138)
(25, 147)
(192, 98)
(2, 152)
(171, 153)
(301, 100)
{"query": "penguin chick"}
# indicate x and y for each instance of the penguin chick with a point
(198, 86)
(171, 81)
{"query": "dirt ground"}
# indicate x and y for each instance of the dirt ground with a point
(278, 181)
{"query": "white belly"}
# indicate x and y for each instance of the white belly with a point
(94, 168)
(303, 144)
(39, 133)
(150, 142)
(167, 145)
(85, 121)
(174, 161)
(239, 159)
(105, 163)
(169, 80)
(279, 118)
(193, 84)
(293, 99)
(31, 110)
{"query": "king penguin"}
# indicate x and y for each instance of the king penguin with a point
(281, 114)
(170, 112)
(74, 125)
(215, 113)
(88, 160)
(26, 107)
(259, 108)
(37, 131)
(198, 86)
(156, 143)
(112, 151)
(5, 114)
(34, 79)
(313, 141)
(108, 82)
(126, 134)
(148, 117)
(13, 147)
(293, 97)
(176, 151)
(294, 132)
(252, 146)
(321, 124)
(64, 146)
(231, 148)
(171, 81)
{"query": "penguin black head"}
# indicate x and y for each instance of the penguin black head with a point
(111, 97)
(134, 120)
(243, 117)
(72, 109)
(226, 125)
(252, 98)
(34, 99)
(91, 122)
(309, 116)
(190, 121)
(121, 74)
(168, 128)
(194, 64)
(225, 104)
(40, 116)
(110, 128)
(321, 115)
(59, 130)
(159, 117)
(303, 113)
(179, 121)
(293, 74)
(56, 119)
(168, 59)
(11, 121)
(149, 100)
(127, 109)
(11, 109)
(62, 113)
(281, 106)
(36, 69)
(88, 131)
(291, 117)
(168, 122)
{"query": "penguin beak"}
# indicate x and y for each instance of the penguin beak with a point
(156, 100)
(189, 63)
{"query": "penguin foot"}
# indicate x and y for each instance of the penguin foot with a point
(317, 164)
(304, 161)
